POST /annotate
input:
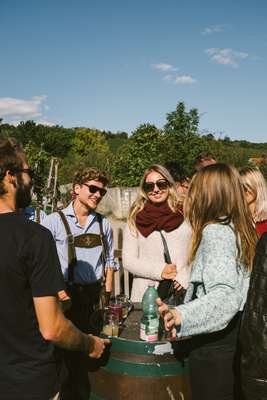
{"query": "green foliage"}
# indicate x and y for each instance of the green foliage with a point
(144, 148)
(125, 158)
(181, 140)
(89, 148)
(89, 140)
(39, 160)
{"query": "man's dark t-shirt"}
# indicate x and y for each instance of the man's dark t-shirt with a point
(29, 267)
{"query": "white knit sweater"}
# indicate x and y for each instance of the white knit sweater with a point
(144, 257)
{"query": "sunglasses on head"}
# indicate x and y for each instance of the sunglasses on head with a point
(93, 189)
(161, 185)
(28, 171)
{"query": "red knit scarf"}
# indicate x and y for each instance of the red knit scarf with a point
(156, 218)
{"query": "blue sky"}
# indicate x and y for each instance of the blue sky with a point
(114, 64)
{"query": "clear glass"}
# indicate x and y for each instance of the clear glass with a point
(126, 304)
(110, 324)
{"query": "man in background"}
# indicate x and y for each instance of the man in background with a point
(32, 322)
(204, 159)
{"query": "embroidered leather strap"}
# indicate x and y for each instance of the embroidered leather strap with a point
(104, 253)
(71, 248)
(38, 215)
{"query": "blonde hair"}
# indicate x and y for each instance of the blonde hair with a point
(254, 182)
(216, 195)
(142, 197)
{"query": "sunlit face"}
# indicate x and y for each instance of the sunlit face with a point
(86, 197)
(156, 188)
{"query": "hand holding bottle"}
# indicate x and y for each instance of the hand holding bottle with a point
(170, 316)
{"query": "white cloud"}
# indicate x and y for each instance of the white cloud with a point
(164, 67)
(226, 56)
(184, 80)
(20, 109)
(213, 29)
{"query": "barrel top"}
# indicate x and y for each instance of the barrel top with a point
(129, 341)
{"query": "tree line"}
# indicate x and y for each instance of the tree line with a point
(126, 157)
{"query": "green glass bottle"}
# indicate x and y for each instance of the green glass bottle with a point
(149, 325)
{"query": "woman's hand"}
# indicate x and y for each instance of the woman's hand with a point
(177, 286)
(170, 316)
(169, 271)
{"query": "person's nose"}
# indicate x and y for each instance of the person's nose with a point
(156, 189)
(98, 195)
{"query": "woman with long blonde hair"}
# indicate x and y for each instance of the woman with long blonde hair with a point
(222, 251)
(156, 214)
(256, 194)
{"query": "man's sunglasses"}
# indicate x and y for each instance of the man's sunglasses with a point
(94, 189)
(28, 171)
(161, 185)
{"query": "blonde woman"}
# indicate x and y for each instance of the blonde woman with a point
(222, 252)
(256, 194)
(156, 212)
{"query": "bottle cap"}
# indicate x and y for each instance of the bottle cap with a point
(151, 284)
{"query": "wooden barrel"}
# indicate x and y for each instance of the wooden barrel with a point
(136, 370)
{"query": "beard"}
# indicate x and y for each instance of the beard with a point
(23, 195)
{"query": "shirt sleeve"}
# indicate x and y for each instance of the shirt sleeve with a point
(48, 221)
(108, 232)
(222, 297)
(43, 267)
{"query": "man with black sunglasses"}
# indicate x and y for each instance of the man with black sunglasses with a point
(85, 247)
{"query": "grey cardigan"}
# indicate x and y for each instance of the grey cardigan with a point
(220, 283)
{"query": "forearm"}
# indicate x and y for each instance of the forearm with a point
(109, 279)
(71, 338)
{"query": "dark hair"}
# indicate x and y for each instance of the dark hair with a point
(205, 155)
(12, 157)
(176, 171)
(89, 174)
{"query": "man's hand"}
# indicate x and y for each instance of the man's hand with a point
(170, 316)
(97, 346)
(169, 271)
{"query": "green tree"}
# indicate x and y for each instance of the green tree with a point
(182, 141)
(89, 140)
(89, 148)
(39, 160)
(143, 149)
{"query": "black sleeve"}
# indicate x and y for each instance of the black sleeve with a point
(44, 271)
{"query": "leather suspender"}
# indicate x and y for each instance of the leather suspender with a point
(38, 215)
(104, 244)
(71, 248)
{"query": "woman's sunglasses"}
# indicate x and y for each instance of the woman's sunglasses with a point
(93, 189)
(161, 185)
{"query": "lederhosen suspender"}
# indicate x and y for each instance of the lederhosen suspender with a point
(86, 241)
(104, 245)
(38, 215)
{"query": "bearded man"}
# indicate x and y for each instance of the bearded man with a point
(32, 322)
